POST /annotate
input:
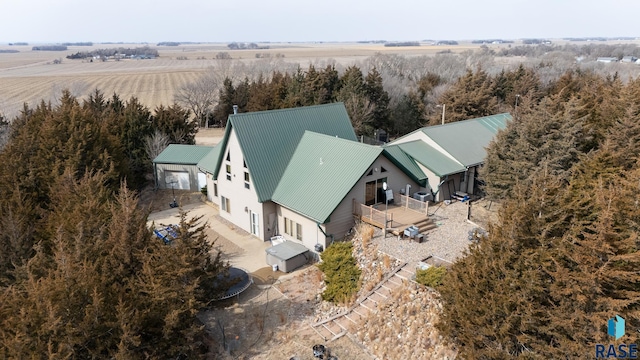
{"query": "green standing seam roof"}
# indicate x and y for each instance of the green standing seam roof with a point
(467, 140)
(431, 158)
(182, 154)
(209, 162)
(268, 139)
(321, 173)
(406, 163)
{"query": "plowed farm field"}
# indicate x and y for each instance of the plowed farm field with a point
(28, 76)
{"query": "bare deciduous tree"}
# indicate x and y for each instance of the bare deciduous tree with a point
(154, 144)
(76, 88)
(199, 96)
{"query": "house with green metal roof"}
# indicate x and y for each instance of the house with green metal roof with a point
(448, 156)
(176, 166)
(296, 173)
(324, 179)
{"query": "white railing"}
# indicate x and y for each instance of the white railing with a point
(410, 203)
(370, 213)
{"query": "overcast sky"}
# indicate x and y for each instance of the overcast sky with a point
(51, 21)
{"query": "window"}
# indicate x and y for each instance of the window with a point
(228, 172)
(246, 180)
(215, 189)
(244, 163)
(225, 203)
(229, 156)
(382, 169)
(292, 229)
(370, 172)
(287, 226)
(298, 231)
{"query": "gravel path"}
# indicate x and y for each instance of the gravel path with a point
(448, 241)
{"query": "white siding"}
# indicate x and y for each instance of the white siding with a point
(417, 135)
(243, 201)
(433, 181)
(311, 234)
(270, 220)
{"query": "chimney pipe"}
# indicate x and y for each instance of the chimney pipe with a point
(235, 109)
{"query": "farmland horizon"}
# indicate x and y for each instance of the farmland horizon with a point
(43, 21)
(329, 41)
(28, 76)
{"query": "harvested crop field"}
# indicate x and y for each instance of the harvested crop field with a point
(28, 76)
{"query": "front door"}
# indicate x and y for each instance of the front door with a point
(255, 222)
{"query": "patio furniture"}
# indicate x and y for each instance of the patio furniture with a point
(411, 231)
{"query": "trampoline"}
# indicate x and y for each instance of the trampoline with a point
(240, 279)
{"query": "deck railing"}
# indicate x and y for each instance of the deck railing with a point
(410, 203)
(371, 214)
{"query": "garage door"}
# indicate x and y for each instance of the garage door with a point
(180, 180)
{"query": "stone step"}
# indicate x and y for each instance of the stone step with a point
(345, 323)
(369, 304)
(377, 298)
(385, 290)
(399, 277)
(406, 273)
(333, 327)
(394, 281)
(323, 332)
(355, 317)
(362, 311)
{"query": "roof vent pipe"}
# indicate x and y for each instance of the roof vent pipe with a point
(235, 109)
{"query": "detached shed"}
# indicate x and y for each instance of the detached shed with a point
(288, 256)
(177, 165)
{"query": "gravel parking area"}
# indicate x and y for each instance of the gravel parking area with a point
(448, 241)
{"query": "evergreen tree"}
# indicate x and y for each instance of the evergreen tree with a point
(376, 94)
(359, 107)
(471, 96)
(408, 115)
(225, 103)
(535, 142)
(174, 122)
(106, 287)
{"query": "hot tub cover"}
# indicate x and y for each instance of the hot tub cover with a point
(287, 250)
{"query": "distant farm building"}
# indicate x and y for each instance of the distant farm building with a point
(607, 59)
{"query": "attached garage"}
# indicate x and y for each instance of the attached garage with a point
(176, 167)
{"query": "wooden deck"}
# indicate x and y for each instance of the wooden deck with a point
(398, 217)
